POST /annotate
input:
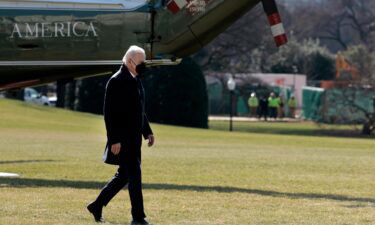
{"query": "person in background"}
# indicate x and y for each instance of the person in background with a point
(253, 104)
(292, 104)
(280, 108)
(273, 105)
(263, 108)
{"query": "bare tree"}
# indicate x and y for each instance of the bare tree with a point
(353, 98)
(244, 47)
(340, 22)
(361, 14)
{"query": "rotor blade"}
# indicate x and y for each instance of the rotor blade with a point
(277, 28)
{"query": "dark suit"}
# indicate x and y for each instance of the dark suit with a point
(126, 122)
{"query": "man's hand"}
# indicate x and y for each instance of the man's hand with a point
(115, 148)
(151, 140)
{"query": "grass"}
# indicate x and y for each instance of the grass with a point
(191, 176)
(300, 128)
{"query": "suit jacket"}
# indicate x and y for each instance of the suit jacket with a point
(124, 115)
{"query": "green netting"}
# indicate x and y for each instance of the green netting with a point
(215, 91)
(215, 95)
(311, 103)
(340, 106)
(242, 108)
(347, 105)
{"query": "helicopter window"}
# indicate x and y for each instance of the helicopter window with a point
(31, 93)
(27, 93)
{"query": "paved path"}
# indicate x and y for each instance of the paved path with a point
(3, 174)
(238, 118)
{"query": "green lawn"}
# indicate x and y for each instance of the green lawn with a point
(191, 176)
(292, 128)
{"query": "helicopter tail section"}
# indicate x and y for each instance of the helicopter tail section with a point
(185, 26)
(275, 22)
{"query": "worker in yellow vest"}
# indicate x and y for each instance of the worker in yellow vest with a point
(273, 105)
(292, 104)
(280, 109)
(253, 104)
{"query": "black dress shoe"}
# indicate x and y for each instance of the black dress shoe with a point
(96, 211)
(140, 222)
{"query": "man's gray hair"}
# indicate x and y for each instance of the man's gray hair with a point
(133, 51)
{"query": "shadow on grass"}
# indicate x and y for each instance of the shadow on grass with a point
(28, 182)
(26, 161)
(356, 206)
(290, 129)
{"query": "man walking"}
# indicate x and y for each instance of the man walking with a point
(126, 122)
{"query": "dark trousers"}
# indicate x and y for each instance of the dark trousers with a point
(263, 112)
(128, 173)
(273, 112)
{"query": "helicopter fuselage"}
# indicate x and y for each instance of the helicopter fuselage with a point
(47, 40)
